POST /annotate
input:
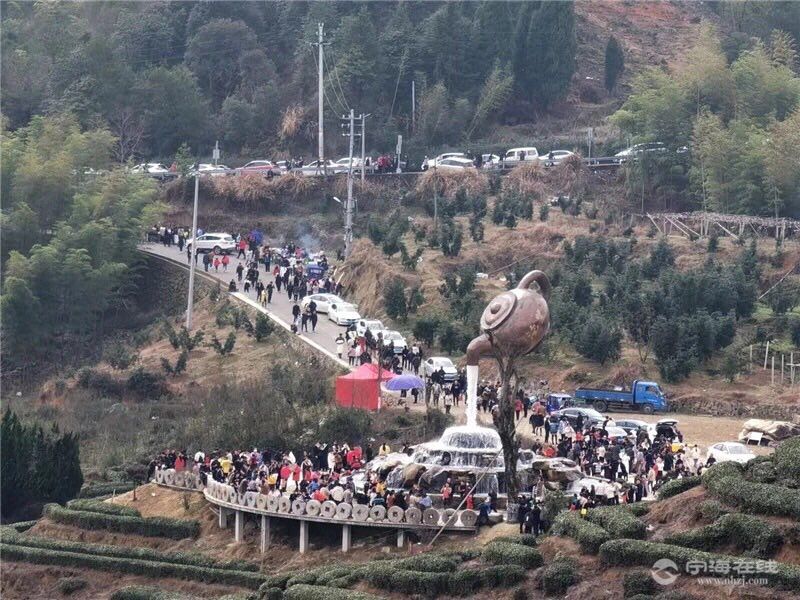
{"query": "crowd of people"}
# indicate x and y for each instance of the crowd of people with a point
(324, 473)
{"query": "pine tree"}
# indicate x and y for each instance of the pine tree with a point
(37, 466)
(394, 300)
(550, 52)
(615, 63)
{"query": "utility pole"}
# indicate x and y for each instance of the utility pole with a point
(348, 215)
(413, 107)
(320, 93)
(363, 146)
(190, 303)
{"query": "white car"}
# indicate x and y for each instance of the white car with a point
(343, 313)
(343, 165)
(317, 168)
(372, 324)
(602, 487)
(633, 426)
(455, 163)
(389, 335)
(616, 433)
(516, 156)
(730, 452)
(432, 162)
(323, 301)
(434, 363)
(490, 161)
(211, 170)
(218, 243)
(556, 157)
(155, 170)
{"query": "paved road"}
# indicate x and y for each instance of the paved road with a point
(280, 307)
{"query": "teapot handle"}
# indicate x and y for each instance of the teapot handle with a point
(540, 278)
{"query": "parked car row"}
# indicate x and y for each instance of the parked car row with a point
(512, 158)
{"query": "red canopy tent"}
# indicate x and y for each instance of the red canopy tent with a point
(360, 388)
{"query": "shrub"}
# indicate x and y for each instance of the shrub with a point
(147, 384)
(628, 553)
(227, 347)
(428, 563)
(751, 534)
(104, 489)
(96, 506)
(378, 574)
(503, 553)
(526, 539)
(332, 573)
(264, 327)
(502, 575)
(319, 592)
(761, 469)
(118, 356)
(276, 581)
(142, 592)
(727, 484)
(419, 582)
(711, 510)
(787, 458)
(464, 583)
(153, 527)
(544, 212)
(138, 553)
(637, 509)
(309, 577)
(104, 383)
(70, 585)
(270, 593)
(618, 522)
(678, 486)
(559, 575)
(638, 583)
(21, 526)
(588, 535)
(130, 566)
(179, 366)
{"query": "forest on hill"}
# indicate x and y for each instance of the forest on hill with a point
(162, 74)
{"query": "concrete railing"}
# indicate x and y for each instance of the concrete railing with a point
(183, 480)
(342, 512)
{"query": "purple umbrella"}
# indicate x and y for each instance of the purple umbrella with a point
(405, 382)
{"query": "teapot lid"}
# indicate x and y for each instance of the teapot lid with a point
(498, 310)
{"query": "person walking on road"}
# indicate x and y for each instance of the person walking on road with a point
(340, 346)
(312, 315)
(270, 287)
(242, 248)
(225, 262)
(239, 271)
(206, 261)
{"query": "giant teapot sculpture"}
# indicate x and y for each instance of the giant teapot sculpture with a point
(515, 322)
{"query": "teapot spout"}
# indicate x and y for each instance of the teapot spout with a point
(480, 346)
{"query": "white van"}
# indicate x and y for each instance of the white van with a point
(516, 156)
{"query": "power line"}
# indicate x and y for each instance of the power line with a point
(340, 99)
(336, 74)
(328, 102)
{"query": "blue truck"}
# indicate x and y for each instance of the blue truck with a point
(644, 396)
